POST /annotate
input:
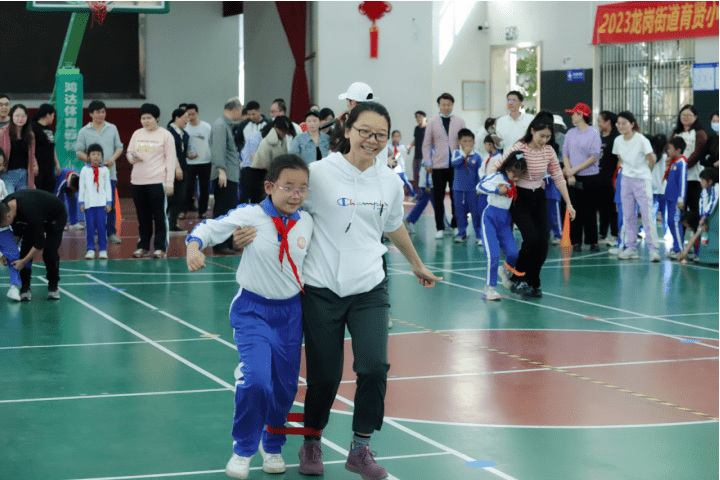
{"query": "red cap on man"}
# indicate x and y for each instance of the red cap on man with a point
(582, 108)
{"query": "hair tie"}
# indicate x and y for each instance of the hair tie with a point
(520, 155)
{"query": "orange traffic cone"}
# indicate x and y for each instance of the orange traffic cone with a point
(566, 246)
(118, 216)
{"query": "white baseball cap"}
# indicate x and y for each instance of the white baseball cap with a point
(358, 91)
(558, 120)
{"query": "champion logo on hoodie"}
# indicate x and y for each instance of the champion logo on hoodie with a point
(348, 202)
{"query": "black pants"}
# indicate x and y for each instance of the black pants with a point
(50, 255)
(441, 177)
(694, 190)
(225, 200)
(585, 201)
(202, 174)
(46, 181)
(531, 217)
(325, 316)
(608, 212)
(150, 205)
(252, 185)
(176, 203)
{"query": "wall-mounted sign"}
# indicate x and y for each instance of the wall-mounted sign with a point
(575, 75)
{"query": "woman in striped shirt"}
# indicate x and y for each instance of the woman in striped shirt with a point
(529, 210)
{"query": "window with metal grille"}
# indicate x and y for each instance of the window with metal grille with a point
(653, 80)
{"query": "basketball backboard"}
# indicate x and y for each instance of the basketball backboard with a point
(121, 6)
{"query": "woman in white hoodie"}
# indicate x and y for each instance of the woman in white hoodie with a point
(354, 199)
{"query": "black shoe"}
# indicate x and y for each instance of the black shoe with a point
(577, 248)
(595, 248)
(535, 292)
(523, 289)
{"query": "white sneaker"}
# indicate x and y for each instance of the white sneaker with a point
(439, 234)
(610, 240)
(453, 232)
(14, 293)
(628, 253)
(641, 234)
(272, 462)
(390, 323)
(654, 256)
(409, 226)
(555, 241)
(459, 239)
(77, 226)
(504, 277)
(491, 294)
(238, 467)
(90, 255)
(672, 255)
(103, 255)
(614, 251)
(479, 242)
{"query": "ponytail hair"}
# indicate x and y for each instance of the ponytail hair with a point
(514, 161)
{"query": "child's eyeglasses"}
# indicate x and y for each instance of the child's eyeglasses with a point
(288, 191)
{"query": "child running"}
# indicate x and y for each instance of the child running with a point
(95, 199)
(466, 163)
(396, 160)
(491, 152)
(497, 224)
(424, 195)
(265, 314)
(674, 186)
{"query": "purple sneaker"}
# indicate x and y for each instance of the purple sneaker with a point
(364, 464)
(311, 459)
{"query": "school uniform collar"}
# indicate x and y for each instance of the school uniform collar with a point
(271, 211)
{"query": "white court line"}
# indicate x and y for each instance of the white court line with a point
(22, 347)
(144, 283)
(641, 315)
(338, 397)
(113, 395)
(672, 315)
(563, 427)
(566, 311)
(205, 472)
(567, 266)
(526, 370)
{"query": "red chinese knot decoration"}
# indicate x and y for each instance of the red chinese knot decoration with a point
(374, 11)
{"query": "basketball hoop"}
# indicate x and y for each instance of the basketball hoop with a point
(99, 10)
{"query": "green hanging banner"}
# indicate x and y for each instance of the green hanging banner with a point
(69, 93)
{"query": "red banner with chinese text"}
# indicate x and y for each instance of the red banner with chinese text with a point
(632, 22)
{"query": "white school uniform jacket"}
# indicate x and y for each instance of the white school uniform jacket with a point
(708, 200)
(351, 209)
(3, 194)
(490, 185)
(400, 157)
(91, 194)
(259, 269)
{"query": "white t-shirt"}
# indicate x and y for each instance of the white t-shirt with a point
(658, 172)
(199, 142)
(633, 154)
(350, 209)
(512, 130)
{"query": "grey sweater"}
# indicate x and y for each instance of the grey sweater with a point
(222, 150)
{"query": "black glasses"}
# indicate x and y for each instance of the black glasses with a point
(380, 137)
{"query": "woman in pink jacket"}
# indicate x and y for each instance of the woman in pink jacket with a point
(155, 166)
(18, 142)
(441, 139)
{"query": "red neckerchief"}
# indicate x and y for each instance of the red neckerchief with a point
(394, 151)
(96, 176)
(512, 192)
(283, 232)
(617, 170)
(466, 163)
(667, 172)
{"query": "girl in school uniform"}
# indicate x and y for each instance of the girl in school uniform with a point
(497, 224)
(265, 314)
(491, 154)
(396, 160)
(637, 158)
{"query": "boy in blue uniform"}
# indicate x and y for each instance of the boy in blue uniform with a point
(265, 314)
(675, 180)
(425, 195)
(95, 195)
(466, 163)
(497, 223)
(67, 186)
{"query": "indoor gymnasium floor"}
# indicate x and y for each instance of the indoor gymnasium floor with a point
(613, 374)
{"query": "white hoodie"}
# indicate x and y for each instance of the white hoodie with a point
(351, 209)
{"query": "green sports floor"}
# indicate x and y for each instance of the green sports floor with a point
(613, 374)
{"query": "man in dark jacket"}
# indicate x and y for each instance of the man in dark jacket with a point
(176, 203)
(254, 123)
